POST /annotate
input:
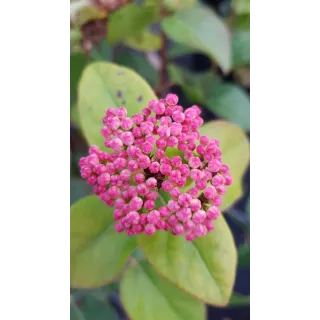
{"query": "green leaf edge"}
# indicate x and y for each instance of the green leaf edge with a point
(123, 267)
(225, 303)
(85, 71)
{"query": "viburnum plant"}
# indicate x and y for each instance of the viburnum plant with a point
(150, 226)
(130, 178)
(160, 179)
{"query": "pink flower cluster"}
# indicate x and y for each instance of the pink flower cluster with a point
(132, 177)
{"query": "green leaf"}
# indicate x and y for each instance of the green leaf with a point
(242, 22)
(131, 20)
(179, 4)
(238, 299)
(139, 64)
(177, 49)
(230, 102)
(235, 153)
(204, 268)
(77, 64)
(91, 308)
(105, 85)
(244, 256)
(146, 295)
(241, 6)
(241, 48)
(98, 252)
(201, 29)
(145, 41)
(196, 86)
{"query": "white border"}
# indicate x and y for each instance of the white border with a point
(35, 153)
(285, 122)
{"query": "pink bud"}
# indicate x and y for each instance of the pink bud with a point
(149, 204)
(173, 205)
(126, 124)
(165, 169)
(210, 192)
(213, 213)
(184, 199)
(133, 165)
(114, 123)
(171, 99)
(125, 175)
(133, 217)
(151, 183)
(175, 129)
(217, 201)
(161, 143)
(178, 116)
(166, 186)
(195, 204)
(117, 214)
(146, 127)
(121, 112)
(137, 119)
(149, 229)
(143, 162)
(190, 236)
(161, 225)
(188, 225)
(127, 138)
(142, 189)
(178, 229)
(154, 167)
(136, 203)
(104, 179)
(214, 165)
(119, 226)
(194, 162)
(164, 212)
(147, 147)
(200, 230)
(175, 192)
(159, 154)
(153, 217)
(199, 216)
(193, 192)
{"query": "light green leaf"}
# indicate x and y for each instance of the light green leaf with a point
(139, 64)
(98, 252)
(105, 85)
(230, 102)
(204, 268)
(241, 48)
(91, 308)
(146, 295)
(145, 41)
(241, 6)
(235, 153)
(201, 29)
(131, 20)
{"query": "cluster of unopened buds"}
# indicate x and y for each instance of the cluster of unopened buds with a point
(137, 173)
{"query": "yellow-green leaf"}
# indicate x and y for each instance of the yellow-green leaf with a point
(204, 268)
(145, 41)
(235, 153)
(98, 252)
(146, 295)
(106, 85)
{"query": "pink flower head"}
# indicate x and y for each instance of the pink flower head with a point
(161, 174)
